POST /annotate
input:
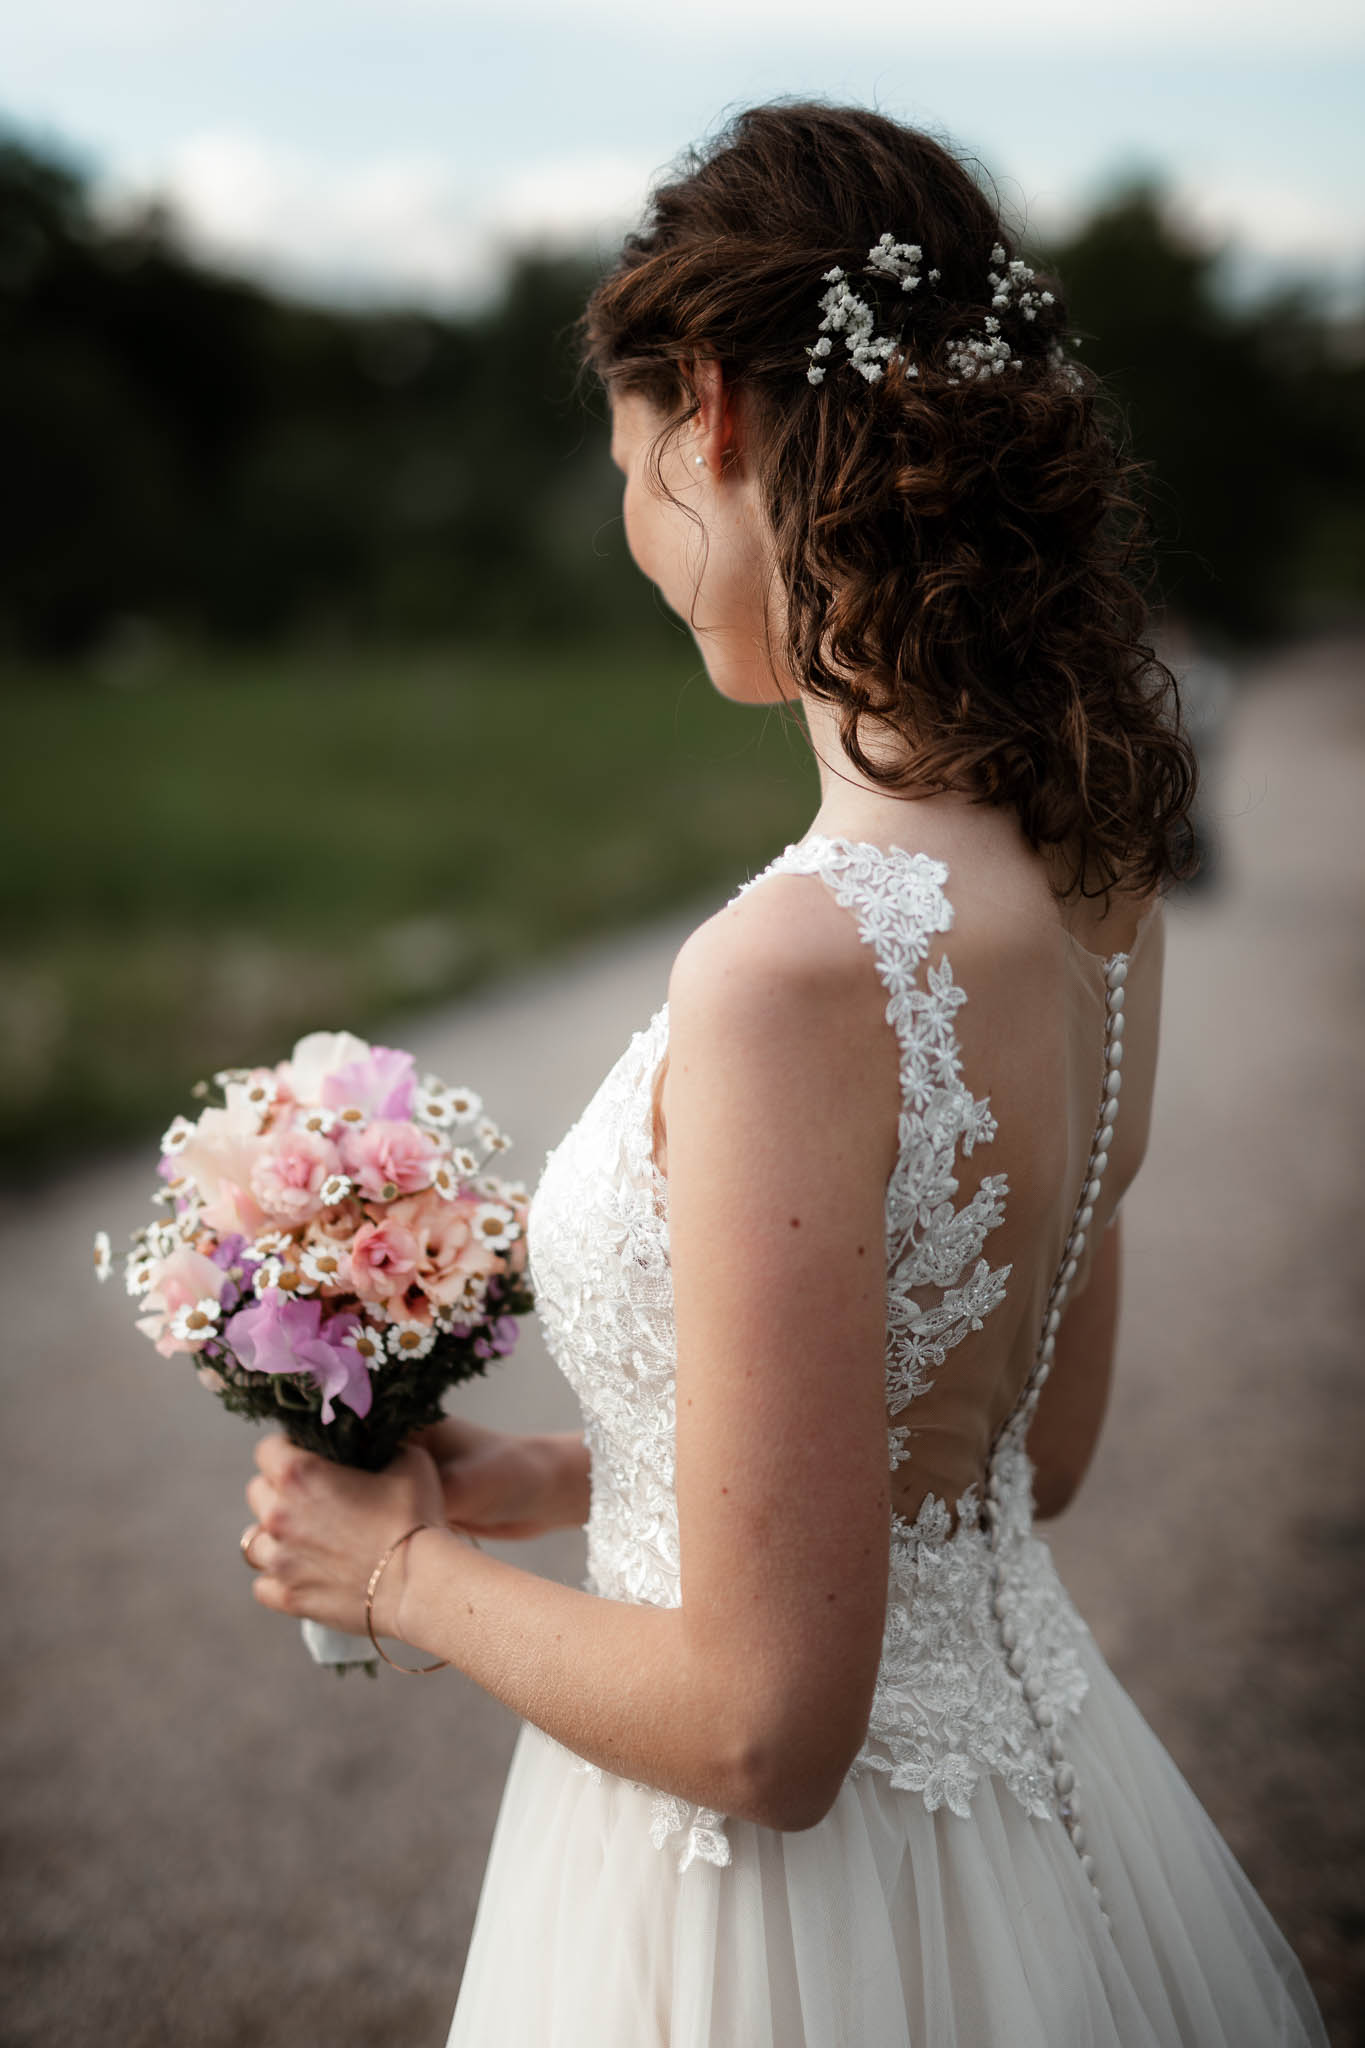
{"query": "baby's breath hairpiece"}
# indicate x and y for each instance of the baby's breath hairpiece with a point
(981, 353)
(845, 313)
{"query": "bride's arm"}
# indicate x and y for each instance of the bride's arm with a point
(753, 1695)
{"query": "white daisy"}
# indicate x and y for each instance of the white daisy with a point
(227, 1075)
(446, 1181)
(196, 1322)
(335, 1189)
(321, 1122)
(325, 1264)
(368, 1342)
(267, 1274)
(464, 1105)
(351, 1115)
(464, 1162)
(104, 1257)
(163, 1239)
(177, 1134)
(293, 1279)
(494, 1225)
(410, 1340)
(491, 1137)
(435, 1109)
(469, 1303)
(270, 1244)
(137, 1273)
(258, 1091)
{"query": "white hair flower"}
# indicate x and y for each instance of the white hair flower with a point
(104, 1256)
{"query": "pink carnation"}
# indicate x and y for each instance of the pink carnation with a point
(384, 1260)
(288, 1174)
(388, 1155)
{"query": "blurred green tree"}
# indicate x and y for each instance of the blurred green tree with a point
(186, 447)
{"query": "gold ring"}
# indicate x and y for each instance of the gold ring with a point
(245, 1541)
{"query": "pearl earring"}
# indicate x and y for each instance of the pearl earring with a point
(699, 458)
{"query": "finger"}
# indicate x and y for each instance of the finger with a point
(270, 1593)
(280, 1460)
(260, 1496)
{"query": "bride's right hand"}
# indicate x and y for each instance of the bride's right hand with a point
(497, 1483)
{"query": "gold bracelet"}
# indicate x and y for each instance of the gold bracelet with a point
(409, 1670)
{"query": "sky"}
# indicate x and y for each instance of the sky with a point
(393, 150)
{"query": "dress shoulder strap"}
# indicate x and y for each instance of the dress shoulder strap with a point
(898, 901)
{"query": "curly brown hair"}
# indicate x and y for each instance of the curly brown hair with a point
(963, 558)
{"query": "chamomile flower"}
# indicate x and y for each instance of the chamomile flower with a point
(468, 1305)
(137, 1273)
(366, 1342)
(163, 1239)
(464, 1104)
(445, 1181)
(464, 1161)
(104, 1257)
(267, 1274)
(325, 1265)
(410, 1340)
(350, 1117)
(434, 1108)
(321, 1122)
(494, 1225)
(197, 1321)
(258, 1090)
(490, 1137)
(226, 1076)
(270, 1244)
(177, 1134)
(335, 1189)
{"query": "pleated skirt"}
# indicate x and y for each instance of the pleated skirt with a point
(884, 1926)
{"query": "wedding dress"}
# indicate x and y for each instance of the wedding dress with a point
(1012, 1858)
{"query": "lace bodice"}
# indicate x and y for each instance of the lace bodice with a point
(979, 1671)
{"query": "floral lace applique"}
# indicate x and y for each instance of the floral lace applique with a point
(947, 1710)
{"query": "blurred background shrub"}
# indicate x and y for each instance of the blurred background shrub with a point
(329, 685)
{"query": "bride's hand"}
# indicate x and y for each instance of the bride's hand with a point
(494, 1482)
(324, 1527)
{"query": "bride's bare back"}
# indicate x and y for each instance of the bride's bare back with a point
(1018, 982)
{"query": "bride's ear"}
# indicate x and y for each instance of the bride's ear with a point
(715, 427)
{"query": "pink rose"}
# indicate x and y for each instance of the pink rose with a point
(383, 1260)
(446, 1250)
(289, 1173)
(389, 1155)
(178, 1281)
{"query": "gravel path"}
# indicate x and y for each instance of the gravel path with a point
(213, 1845)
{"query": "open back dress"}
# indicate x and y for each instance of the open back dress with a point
(1013, 1859)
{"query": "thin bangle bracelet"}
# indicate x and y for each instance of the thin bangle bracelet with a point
(408, 1670)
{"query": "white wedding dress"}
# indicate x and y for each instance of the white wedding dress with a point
(1013, 1860)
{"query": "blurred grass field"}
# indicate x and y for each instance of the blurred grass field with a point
(204, 856)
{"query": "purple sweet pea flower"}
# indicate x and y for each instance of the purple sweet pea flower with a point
(383, 1084)
(281, 1333)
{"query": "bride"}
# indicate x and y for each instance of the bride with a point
(821, 1752)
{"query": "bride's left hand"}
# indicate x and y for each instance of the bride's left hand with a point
(324, 1527)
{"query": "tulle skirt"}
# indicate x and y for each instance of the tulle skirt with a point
(884, 1926)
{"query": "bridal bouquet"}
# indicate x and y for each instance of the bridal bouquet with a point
(335, 1253)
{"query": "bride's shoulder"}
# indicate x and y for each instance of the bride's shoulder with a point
(786, 937)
